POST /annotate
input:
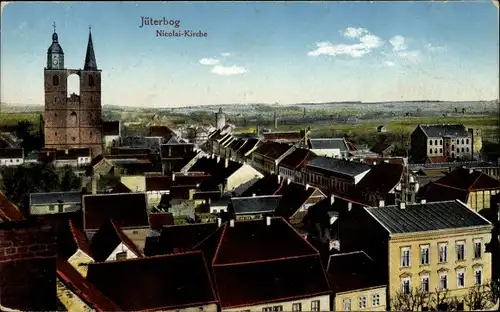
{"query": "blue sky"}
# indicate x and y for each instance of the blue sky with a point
(260, 52)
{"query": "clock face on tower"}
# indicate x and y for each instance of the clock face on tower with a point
(55, 61)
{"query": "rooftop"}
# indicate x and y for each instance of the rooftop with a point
(248, 145)
(11, 152)
(272, 150)
(293, 196)
(161, 282)
(8, 211)
(469, 180)
(349, 168)
(426, 217)
(255, 204)
(267, 185)
(328, 143)
(53, 198)
(445, 130)
(297, 158)
(382, 178)
(107, 238)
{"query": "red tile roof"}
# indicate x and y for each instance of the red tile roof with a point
(11, 152)
(168, 282)
(268, 185)
(293, 196)
(158, 220)
(257, 283)
(162, 131)
(9, 211)
(251, 241)
(272, 150)
(297, 158)
(382, 178)
(437, 192)
(470, 180)
(126, 210)
(437, 159)
(379, 148)
(87, 292)
(105, 241)
(80, 239)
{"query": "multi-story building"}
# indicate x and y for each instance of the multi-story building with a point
(269, 154)
(431, 246)
(443, 141)
(11, 156)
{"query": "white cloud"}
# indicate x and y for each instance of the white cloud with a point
(398, 43)
(411, 55)
(432, 48)
(209, 61)
(351, 32)
(389, 63)
(228, 70)
(367, 42)
(225, 54)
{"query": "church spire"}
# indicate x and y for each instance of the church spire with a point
(90, 62)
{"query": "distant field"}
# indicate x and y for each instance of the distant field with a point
(13, 119)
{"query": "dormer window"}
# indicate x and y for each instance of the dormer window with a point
(55, 80)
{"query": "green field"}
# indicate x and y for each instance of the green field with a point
(12, 119)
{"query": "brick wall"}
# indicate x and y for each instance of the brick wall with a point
(27, 266)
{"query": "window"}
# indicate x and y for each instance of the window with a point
(460, 251)
(467, 149)
(278, 308)
(430, 142)
(297, 307)
(477, 249)
(315, 305)
(466, 141)
(267, 309)
(462, 141)
(435, 142)
(430, 150)
(405, 256)
(460, 278)
(405, 285)
(362, 302)
(441, 150)
(121, 255)
(375, 300)
(424, 284)
(347, 304)
(91, 80)
(440, 142)
(478, 276)
(443, 253)
(52, 207)
(55, 80)
(443, 281)
(424, 254)
(435, 151)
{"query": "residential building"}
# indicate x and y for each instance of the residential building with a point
(338, 175)
(329, 147)
(11, 156)
(55, 202)
(176, 156)
(290, 167)
(472, 187)
(381, 184)
(109, 243)
(157, 184)
(75, 293)
(355, 282)
(245, 151)
(111, 134)
(178, 282)
(435, 246)
(79, 251)
(383, 149)
(449, 141)
(74, 157)
(288, 137)
(269, 154)
(255, 207)
(296, 200)
(381, 129)
(251, 278)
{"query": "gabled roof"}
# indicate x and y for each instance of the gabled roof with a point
(297, 158)
(158, 220)
(444, 130)
(105, 241)
(293, 196)
(255, 204)
(162, 282)
(248, 145)
(381, 147)
(328, 143)
(162, 131)
(218, 170)
(437, 192)
(267, 185)
(9, 211)
(382, 178)
(426, 217)
(258, 283)
(80, 239)
(179, 238)
(177, 150)
(349, 168)
(469, 180)
(87, 292)
(126, 209)
(353, 271)
(251, 241)
(54, 198)
(272, 150)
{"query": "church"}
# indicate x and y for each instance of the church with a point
(74, 120)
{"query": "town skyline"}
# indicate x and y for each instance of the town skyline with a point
(368, 52)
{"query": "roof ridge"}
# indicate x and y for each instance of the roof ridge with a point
(219, 244)
(263, 260)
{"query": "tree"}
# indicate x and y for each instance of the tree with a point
(415, 300)
(481, 297)
(440, 300)
(69, 180)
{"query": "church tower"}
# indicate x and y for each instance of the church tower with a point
(220, 119)
(72, 121)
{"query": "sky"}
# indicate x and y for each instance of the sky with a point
(258, 52)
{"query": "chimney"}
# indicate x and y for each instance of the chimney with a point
(412, 180)
(66, 152)
(219, 222)
(191, 193)
(471, 171)
(374, 163)
(349, 206)
(332, 199)
(288, 181)
(402, 205)
(173, 176)
(226, 162)
(423, 201)
(94, 184)
(218, 159)
(268, 221)
(386, 161)
(231, 223)
(381, 203)
(279, 179)
(307, 186)
(253, 195)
